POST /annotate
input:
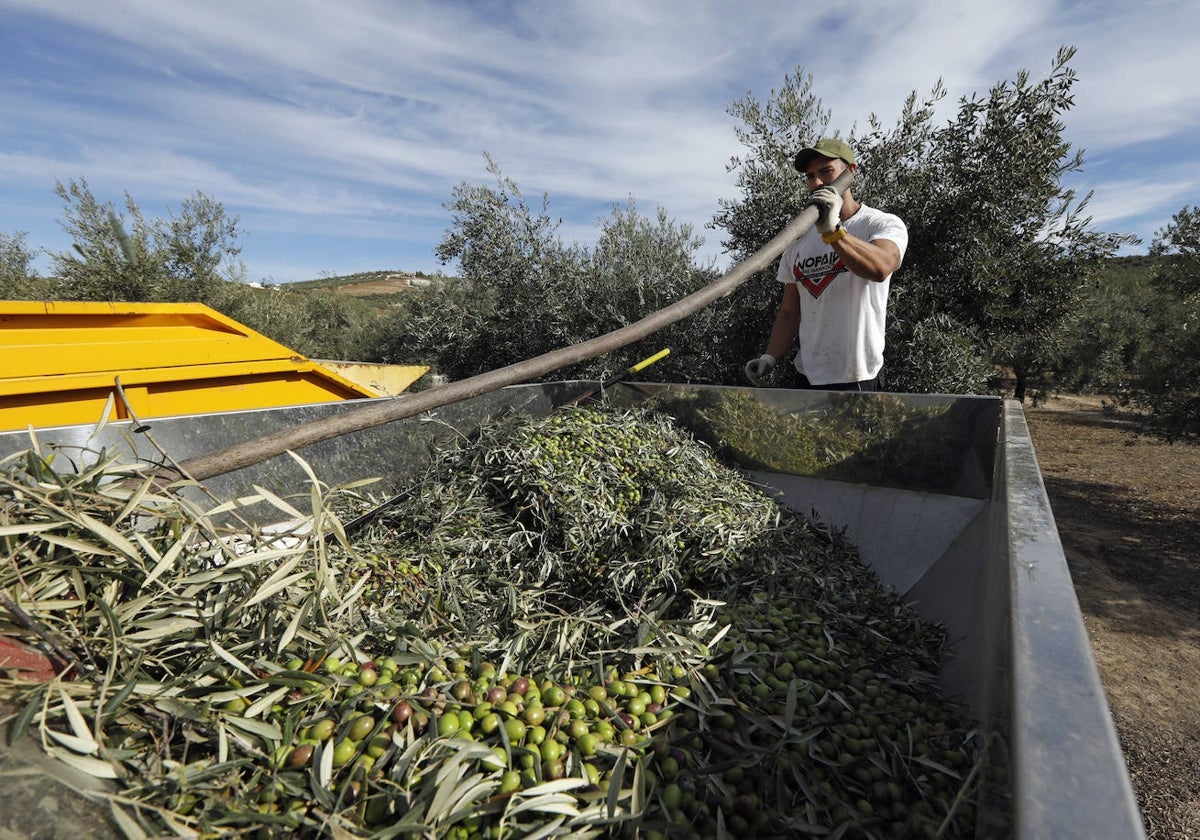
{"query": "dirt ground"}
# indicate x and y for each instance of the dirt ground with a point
(1128, 513)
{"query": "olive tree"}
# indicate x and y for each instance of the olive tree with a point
(1178, 243)
(998, 246)
(108, 260)
(526, 288)
(199, 246)
(641, 265)
(18, 279)
(1111, 335)
(521, 291)
(1167, 388)
(125, 257)
(997, 242)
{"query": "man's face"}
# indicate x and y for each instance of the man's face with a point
(822, 171)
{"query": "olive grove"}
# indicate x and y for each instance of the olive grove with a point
(1006, 283)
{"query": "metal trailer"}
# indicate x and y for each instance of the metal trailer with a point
(953, 514)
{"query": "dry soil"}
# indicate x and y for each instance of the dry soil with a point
(1128, 514)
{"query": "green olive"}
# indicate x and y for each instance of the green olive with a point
(551, 750)
(510, 781)
(361, 727)
(489, 723)
(515, 727)
(343, 752)
(378, 745)
(604, 730)
(588, 743)
(448, 724)
(236, 706)
(498, 759)
(553, 695)
(322, 730)
(672, 795)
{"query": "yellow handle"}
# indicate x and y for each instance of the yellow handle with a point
(644, 363)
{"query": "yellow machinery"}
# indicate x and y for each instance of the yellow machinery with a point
(67, 363)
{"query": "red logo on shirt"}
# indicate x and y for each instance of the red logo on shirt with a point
(818, 282)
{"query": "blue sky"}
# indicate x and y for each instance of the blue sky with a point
(336, 131)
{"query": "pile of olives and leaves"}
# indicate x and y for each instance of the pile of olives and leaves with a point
(580, 625)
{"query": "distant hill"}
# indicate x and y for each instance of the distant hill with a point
(366, 283)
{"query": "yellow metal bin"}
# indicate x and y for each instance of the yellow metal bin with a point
(68, 363)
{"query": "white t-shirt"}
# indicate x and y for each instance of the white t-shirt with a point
(842, 316)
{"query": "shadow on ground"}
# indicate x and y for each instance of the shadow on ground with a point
(1141, 543)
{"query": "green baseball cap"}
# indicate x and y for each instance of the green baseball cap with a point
(830, 147)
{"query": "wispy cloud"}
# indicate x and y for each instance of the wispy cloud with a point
(338, 131)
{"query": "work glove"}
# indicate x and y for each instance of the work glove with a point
(828, 201)
(756, 369)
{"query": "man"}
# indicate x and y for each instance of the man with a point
(836, 280)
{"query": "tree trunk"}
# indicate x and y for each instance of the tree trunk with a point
(1021, 377)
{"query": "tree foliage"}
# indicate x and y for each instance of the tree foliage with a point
(1110, 335)
(17, 275)
(998, 243)
(944, 358)
(528, 284)
(1135, 337)
(126, 257)
(641, 265)
(1179, 244)
(1167, 387)
(522, 291)
(189, 256)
